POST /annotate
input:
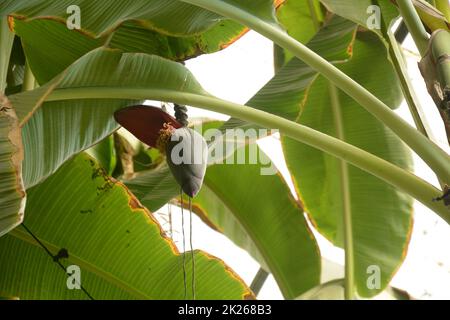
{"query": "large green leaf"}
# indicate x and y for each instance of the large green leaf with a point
(51, 47)
(102, 16)
(381, 215)
(118, 245)
(258, 213)
(132, 37)
(171, 29)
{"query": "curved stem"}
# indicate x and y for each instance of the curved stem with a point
(258, 281)
(28, 78)
(414, 24)
(434, 156)
(347, 223)
(397, 59)
(346, 199)
(403, 180)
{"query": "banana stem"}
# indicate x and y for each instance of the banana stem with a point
(414, 24)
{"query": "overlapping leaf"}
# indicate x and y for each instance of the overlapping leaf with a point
(102, 16)
(381, 215)
(51, 47)
(118, 245)
(171, 29)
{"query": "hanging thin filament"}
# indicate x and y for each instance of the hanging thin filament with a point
(184, 246)
(55, 258)
(192, 248)
(169, 211)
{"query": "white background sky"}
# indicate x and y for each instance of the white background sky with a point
(236, 74)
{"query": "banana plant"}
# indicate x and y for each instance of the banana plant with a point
(332, 99)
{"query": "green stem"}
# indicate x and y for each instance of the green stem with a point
(347, 223)
(414, 24)
(28, 79)
(398, 62)
(403, 180)
(279, 57)
(435, 157)
(444, 7)
(258, 282)
(346, 199)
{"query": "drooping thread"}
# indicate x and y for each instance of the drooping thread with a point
(182, 117)
(192, 248)
(181, 114)
(63, 253)
(169, 209)
(184, 246)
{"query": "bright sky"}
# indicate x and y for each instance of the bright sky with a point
(236, 74)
